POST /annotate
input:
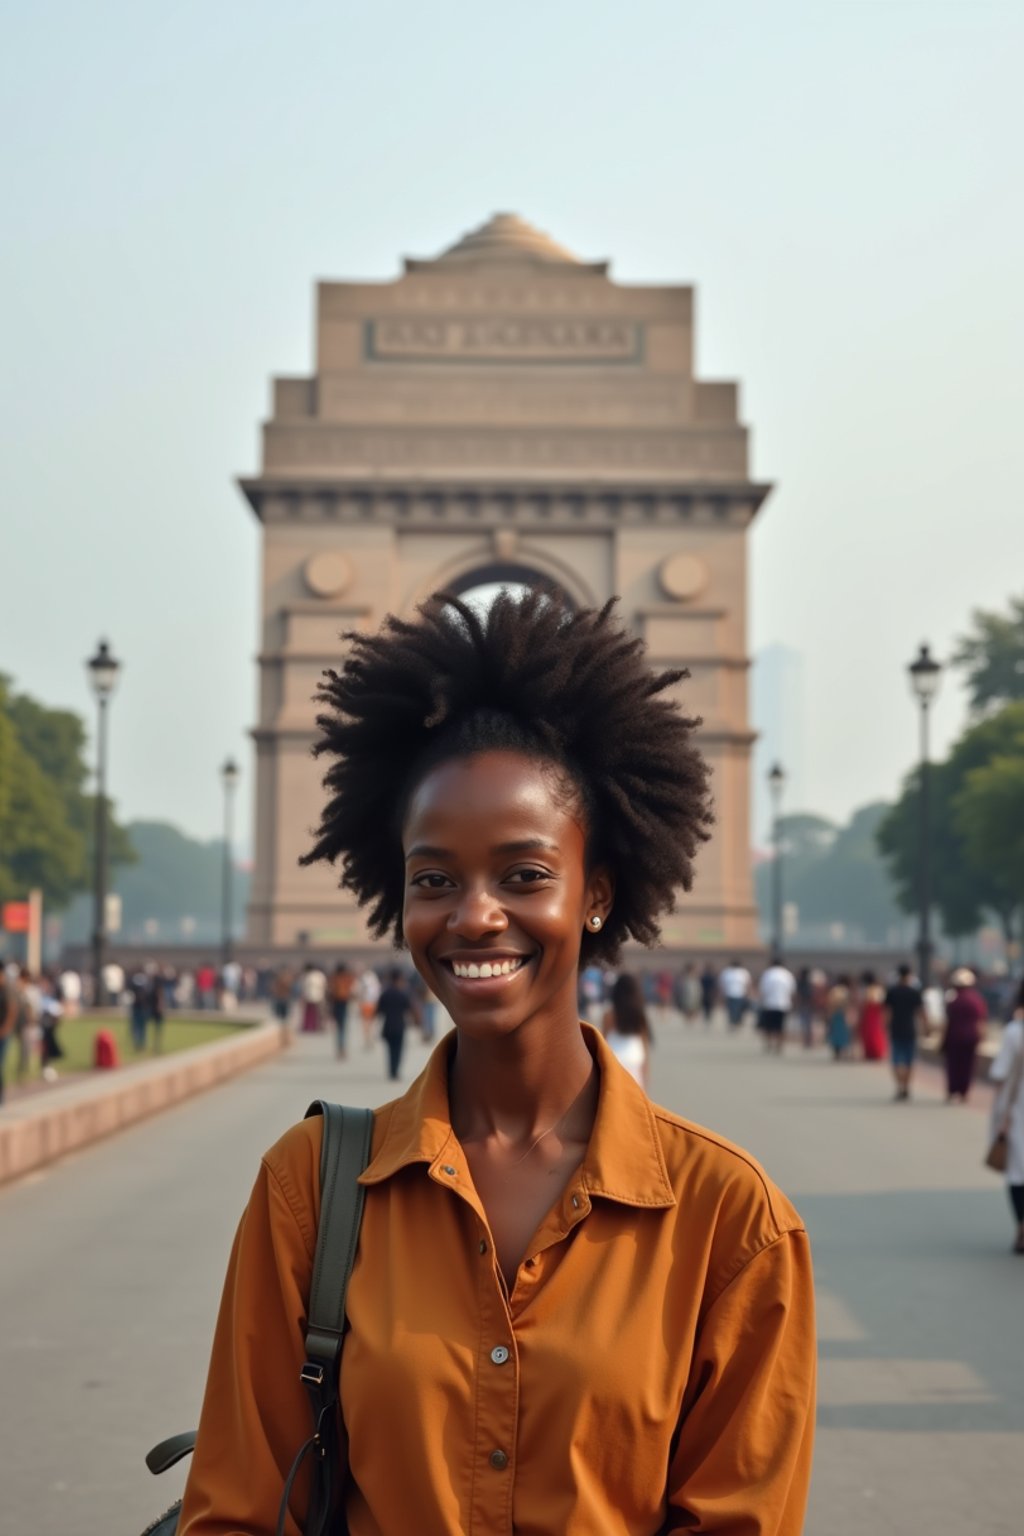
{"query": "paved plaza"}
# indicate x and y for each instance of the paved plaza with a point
(113, 1260)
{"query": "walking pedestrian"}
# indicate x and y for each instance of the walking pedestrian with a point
(156, 1002)
(965, 1017)
(570, 1310)
(1007, 1072)
(688, 990)
(871, 1019)
(805, 1005)
(206, 985)
(734, 985)
(50, 1011)
(368, 993)
(10, 1004)
(776, 991)
(25, 1023)
(69, 990)
(282, 989)
(313, 990)
(396, 1010)
(708, 992)
(342, 982)
(626, 1028)
(838, 1028)
(904, 1020)
(138, 1008)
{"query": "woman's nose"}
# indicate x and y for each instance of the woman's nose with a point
(476, 913)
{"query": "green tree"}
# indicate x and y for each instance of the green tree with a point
(850, 884)
(964, 885)
(992, 656)
(45, 815)
(989, 813)
(176, 876)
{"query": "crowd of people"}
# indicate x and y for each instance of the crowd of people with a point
(864, 1016)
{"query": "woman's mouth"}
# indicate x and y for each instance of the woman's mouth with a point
(499, 969)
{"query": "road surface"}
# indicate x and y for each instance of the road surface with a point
(112, 1263)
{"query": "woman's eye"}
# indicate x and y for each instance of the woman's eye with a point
(527, 876)
(431, 880)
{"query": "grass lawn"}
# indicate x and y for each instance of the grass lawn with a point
(76, 1036)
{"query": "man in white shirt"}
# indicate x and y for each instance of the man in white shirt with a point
(734, 985)
(775, 994)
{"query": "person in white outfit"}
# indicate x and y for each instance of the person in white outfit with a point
(775, 993)
(626, 1028)
(1007, 1072)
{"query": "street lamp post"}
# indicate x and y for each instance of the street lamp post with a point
(776, 782)
(230, 774)
(925, 673)
(103, 674)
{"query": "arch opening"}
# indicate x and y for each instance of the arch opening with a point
(480, 586)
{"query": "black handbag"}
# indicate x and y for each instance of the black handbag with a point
(348, 1134)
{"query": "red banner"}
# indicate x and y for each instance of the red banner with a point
(14, 917)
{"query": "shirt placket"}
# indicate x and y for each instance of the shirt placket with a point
(497, 1384)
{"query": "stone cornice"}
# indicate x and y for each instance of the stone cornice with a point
(429, 507)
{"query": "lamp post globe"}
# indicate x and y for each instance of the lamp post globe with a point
(925, 675)
(776, 785)
(103, 670)
(230, 773)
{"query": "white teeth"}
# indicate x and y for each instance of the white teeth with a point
(486, 969)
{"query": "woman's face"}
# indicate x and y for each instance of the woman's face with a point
(496, 890)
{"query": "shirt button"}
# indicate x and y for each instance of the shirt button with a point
(499, 1461)
(483, 1246)
(499, 1354)
(449, 1170)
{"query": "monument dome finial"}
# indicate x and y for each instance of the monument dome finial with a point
(507, 237)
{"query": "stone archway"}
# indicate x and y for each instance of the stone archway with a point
(502, 413)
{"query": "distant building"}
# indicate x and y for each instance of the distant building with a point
(500, 413)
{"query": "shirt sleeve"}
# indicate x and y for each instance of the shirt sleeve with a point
(256, 1414)
(742, 1462)
(1012, 1041)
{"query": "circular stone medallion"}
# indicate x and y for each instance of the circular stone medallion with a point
(327, 573)
(683, 576)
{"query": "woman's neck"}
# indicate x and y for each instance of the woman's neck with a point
(519, 1085)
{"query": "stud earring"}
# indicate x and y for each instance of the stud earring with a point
(595, 921)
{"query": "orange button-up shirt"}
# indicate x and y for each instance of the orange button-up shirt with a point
(652, 1369)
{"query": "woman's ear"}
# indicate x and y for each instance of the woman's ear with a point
(600, 896)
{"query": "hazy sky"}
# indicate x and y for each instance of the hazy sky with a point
(840, 181)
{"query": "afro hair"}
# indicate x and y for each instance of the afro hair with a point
(569, 688)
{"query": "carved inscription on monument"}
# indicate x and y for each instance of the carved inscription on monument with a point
(490, 338)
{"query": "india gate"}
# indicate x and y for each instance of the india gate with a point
(501, 413)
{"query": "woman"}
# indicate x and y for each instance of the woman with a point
(965, 1018)
(838, 1028)
(313, 987)
(626, 1029)
(342, 982)
(805, 1005)
(1007, 1072)
(871, 1022)
(571, 1311)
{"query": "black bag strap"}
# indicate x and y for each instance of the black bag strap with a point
(345, 1152)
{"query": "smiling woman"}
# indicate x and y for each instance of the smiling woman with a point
(571, 1311)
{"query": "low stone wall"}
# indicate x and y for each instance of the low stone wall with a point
(36, 1130)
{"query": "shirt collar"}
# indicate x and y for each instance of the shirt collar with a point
(623, 1160)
